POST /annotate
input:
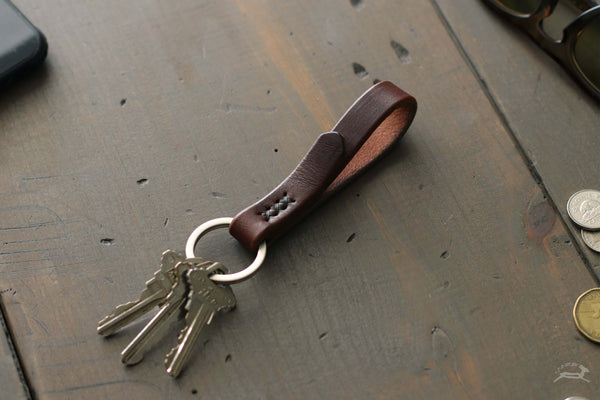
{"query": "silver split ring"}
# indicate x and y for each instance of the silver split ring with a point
(224, 278)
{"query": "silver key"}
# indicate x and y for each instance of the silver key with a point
(205, 299)
(169, 312)
(155, 293)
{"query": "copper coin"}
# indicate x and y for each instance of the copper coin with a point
(587, 314)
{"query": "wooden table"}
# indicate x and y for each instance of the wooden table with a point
(448, 271)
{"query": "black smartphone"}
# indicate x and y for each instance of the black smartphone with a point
(22, 45)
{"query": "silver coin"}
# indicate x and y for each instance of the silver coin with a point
(592, 239)
(584, 209)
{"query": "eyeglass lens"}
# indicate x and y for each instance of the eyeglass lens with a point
(587, 52)
(520, 6)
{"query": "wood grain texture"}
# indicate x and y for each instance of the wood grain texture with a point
(555, 122)
(443, 273)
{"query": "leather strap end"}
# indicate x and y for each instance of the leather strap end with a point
(383, 114)
(370, 127)
(294, 197)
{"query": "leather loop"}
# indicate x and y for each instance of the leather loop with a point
(371, 126)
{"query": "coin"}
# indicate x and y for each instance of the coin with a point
(587, 314)
(584, 209)
(592, 239)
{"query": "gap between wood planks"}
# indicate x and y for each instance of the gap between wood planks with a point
(506, 124)
(13, 351)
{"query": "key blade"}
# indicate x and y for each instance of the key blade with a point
(125, 314)
(177, 357)
(121, 308)
(156, 328)
(155, 293)
(205, 299)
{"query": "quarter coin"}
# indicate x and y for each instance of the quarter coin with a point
(587, 314)
(584, 209)
(592, 239)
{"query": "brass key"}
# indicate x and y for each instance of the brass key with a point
(169, 313)
(155, 293)
(205, 299)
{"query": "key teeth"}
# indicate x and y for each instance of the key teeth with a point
(169, 360)
(181, 335)
(104, 321)
(118, 310)
(170, 355)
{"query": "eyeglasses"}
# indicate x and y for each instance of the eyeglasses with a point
(578, 50)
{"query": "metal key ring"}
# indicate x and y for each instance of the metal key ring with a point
(224, 278)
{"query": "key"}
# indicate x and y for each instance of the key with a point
(155, 293)
(205, 299)
(169, 312)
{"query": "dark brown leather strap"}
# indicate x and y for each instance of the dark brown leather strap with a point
(371, 126)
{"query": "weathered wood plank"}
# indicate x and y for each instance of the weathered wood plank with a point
(554, 120)
(442, 273)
